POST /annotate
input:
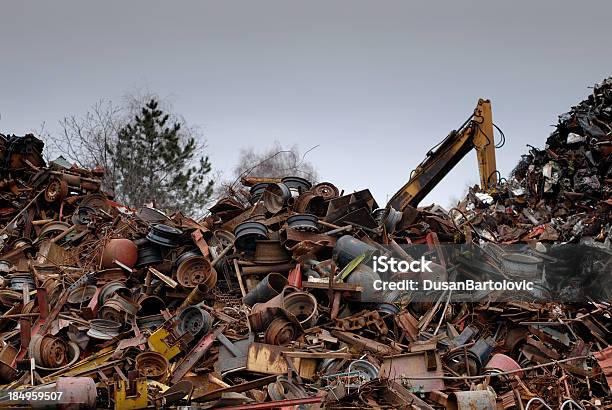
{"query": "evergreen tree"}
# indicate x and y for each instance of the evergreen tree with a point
(156, 162)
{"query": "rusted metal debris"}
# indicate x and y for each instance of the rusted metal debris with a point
(267, 302)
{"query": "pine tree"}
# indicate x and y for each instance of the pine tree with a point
(156, 162)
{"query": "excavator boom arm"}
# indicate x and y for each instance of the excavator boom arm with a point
(484, 144)
(476, 133)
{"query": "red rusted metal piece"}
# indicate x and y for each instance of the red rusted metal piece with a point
(25, 330)
(43, 306)
(500, 363)
(195, 354)
(121, 250)
(409, 324)
(434, 244)
(604, 359)
(198, 238)
(295, 277)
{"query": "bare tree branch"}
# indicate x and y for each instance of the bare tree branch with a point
(276, 162)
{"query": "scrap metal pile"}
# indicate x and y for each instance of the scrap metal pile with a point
(268, 302)
(559, 193)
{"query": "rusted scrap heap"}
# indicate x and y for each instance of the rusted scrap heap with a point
(268, 301)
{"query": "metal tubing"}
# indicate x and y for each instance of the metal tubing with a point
(265, 290)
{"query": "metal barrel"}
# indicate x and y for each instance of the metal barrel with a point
(348, 248)
(265, 290)
(471, 400)
(482, 349)
(365, 277)
(76, 393)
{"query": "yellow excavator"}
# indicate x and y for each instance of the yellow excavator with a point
(475, 133)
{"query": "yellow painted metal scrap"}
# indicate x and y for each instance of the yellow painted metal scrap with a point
(157, 342)
(131, 400)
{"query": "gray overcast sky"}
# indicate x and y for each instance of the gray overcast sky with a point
(374, 83)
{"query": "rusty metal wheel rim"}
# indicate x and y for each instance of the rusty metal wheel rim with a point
(194, 271)
(151, 365)
(280, 332)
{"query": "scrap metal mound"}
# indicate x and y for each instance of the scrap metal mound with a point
(562, 192)
(269, 301)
